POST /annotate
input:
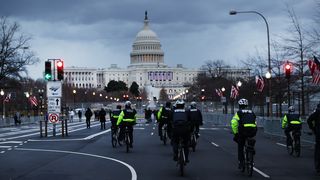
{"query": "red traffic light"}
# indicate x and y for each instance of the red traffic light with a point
(60, 64)
(287, 67)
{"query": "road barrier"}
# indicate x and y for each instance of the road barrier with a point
(271, 125)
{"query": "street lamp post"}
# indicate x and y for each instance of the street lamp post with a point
(3, 104)
(74, 98)
(268, 74)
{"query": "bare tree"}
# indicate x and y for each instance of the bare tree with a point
(297, 48)
(14, 50)
(213, 67)
(257, 63)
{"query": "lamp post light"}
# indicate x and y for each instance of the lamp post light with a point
(74, 98)
(269, 60)
(239, 84)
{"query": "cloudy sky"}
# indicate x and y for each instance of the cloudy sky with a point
(97, 33)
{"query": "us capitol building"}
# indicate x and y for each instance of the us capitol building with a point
(147, 69)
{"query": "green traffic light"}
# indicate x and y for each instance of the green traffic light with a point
(47, 76)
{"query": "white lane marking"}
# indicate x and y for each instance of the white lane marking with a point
(97, 134)
(152, 134)
(5, 147)
(216, 145)
(133, 172)
(25, 141)
(153, 128)
(280, 144)
(261, 173)
(14, 142)
(138, 128)
(54, 140)
(9, 149)
(2, 152)
(209, 128)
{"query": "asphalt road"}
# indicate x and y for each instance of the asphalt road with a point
(88, 154)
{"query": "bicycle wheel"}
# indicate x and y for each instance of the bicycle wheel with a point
(114, 140)
(193, 142)
(181, 161)
(297, 147)
(127, 139)
(249, 163)
(164, 138)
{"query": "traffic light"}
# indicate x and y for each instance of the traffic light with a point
(60, 69)
(47, 71)
(287, 70)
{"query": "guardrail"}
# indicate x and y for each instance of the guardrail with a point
(271, 125)
(9, 121)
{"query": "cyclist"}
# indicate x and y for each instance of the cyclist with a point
(114, 115)
(243, 126)
(290, 122)
(164, 116)
(196, 118)
(127, 118)
(314, 125)
(180, 129)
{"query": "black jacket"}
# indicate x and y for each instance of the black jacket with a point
(314, 122)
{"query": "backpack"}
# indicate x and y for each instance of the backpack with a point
(180, 117)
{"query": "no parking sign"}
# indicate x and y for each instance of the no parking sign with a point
(53, 117)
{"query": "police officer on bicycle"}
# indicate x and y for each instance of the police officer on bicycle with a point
(196, 118)
(180, 129)
(164, 116)
(314, 125)
(290, 122)
(243, 126)
(114, 115)
(127, 118)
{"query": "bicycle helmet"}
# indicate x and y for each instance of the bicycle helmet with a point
(127, 104)
(180, 104)
(291, 109)
(193, 104)
(243, 102)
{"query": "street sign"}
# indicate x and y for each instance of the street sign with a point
(54, 105)
(54, 89)
(53, 117)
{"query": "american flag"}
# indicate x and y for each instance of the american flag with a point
(219, 92)
(259, 83)
(33, 100)
(314, 66)
(8, 97)
(234, 92)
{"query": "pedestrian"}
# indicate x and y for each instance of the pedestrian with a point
(80, 115)
(102, 117)
(314, 125)
(71, 115)
(16, 118)
(88, 115)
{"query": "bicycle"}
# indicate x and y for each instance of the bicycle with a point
(249, 152)
(295, 148)
(164, 134)
(114, 136)
(127, 138)
(181, 157)
(193, 141)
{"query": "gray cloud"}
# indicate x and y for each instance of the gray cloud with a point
(190, 31)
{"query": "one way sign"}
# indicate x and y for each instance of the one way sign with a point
(54, 105)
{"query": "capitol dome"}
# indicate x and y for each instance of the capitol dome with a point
(146, 49)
